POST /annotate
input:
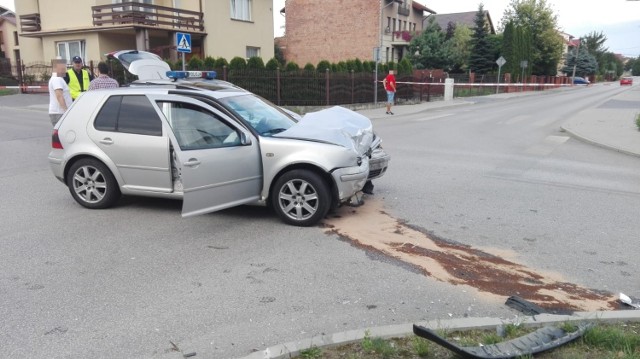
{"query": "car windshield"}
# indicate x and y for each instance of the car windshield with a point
(263, 116)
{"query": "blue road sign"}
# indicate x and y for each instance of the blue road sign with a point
(184, 42)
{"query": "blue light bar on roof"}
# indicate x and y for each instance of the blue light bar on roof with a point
(209, 75)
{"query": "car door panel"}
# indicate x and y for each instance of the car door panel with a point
(218, 169)
(141, 155)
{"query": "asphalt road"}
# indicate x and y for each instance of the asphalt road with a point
(135, 280)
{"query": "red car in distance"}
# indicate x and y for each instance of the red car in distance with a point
(626, 81)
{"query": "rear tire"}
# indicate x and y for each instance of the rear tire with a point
(92, 184)
(300, 198)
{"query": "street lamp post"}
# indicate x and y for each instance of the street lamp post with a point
(377, 57)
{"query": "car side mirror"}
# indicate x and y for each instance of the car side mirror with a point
(244, 139)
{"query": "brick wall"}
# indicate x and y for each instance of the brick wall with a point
(331, 30)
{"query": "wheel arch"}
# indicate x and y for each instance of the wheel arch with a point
(333, 188)
(71, 161)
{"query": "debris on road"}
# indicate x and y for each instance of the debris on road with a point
(626, 300)
(543, 339)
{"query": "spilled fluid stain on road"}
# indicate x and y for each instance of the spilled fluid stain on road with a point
(370, 227)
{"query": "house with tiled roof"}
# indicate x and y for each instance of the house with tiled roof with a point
(9, 44)
(460, 18)
(340, 30)
(91, 28)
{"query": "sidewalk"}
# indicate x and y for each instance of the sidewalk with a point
(37, 102)
(611, 124)
(288, 350)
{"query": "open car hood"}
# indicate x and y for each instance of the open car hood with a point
(146, 65)
(336, 125)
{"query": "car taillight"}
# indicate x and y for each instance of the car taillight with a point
(55, 140)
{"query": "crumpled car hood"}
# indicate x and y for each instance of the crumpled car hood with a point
(336, 125)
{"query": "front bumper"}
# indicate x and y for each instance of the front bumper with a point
(378, 163)
(350, 180)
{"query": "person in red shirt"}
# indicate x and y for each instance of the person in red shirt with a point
(390, 86)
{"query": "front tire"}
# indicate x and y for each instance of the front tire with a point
(300, 198)
(92, 185)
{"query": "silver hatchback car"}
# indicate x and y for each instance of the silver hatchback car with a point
(213, 149)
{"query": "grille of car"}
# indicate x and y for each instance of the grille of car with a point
(374, 173)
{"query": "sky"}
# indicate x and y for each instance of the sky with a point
(618, 19)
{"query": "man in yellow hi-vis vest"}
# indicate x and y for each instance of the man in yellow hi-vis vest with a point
(77, 78)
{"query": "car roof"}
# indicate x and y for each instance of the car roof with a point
(164, 89)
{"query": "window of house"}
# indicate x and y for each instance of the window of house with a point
(68, 49)
(414, 27)
(394, 24)
(15, 38)
(405, 26)
(129, 8)
(253, 52)
(241, 10)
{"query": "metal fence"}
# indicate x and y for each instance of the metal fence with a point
(312, 88)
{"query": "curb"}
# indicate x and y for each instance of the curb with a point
(588, 140)
(287, 350)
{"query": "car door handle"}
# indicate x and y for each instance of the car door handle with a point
(192, 162)
(106, 141)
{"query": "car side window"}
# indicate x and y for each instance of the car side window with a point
(138, 116)
(129, 114)
(197, 128)
(107, 118)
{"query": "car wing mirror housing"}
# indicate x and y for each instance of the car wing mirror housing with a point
(244, 139)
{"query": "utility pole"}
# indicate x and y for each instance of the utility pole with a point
(377, 53)
(575, 63)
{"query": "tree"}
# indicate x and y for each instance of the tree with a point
(272, 64)
(279, 54)
(459, 49)
(220, 63)
(586, 63)
(255, 62)
(237, 63)
(451, 30)
(429, 48)
(635, 69)
(610, 66)
(405, 67)
(195, 63)
(481, 59)
(323, 65)
(209, 63)
(292, 66)
(516, 47)
(540, 20)
(594, 44)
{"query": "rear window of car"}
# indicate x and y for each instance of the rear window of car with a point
(129, 114)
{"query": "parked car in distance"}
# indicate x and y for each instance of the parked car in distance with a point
(580, 81)
(627, 80)
(213, 148)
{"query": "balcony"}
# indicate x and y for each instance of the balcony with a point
(133, 13)
(30, 23)
(403, 10)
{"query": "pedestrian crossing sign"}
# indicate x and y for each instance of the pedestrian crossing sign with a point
(184, 42)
